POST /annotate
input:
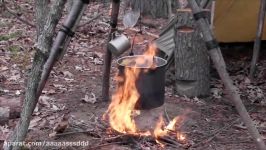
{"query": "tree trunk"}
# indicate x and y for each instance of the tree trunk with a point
(191, 58)
(155, 8)
(41, 10)
(20, 132)
(69, 5)
(42, 51)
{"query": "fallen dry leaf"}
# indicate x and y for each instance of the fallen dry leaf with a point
(36, 110)
(216, 92)
(14, 77)
(4, 133)
(58, 85)
(54, 108)
(98, 55)
(68, 74)
(97, 61)
(18, 92)
(34, 122)
(3, 68)
(78, 68)
(61, 126)
(49, 92)
(88, 99)
(44, 101)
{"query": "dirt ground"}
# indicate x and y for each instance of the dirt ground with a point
(72, 95)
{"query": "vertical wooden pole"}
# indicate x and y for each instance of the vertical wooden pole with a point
(217, 58)
(256, 48)
(108, 54)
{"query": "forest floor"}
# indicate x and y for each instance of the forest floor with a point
(72, 95)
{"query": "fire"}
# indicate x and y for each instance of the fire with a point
(151, 50)
(161, 130)
(121, 111)
(123, 102)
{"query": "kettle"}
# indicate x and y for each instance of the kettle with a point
(119, 45)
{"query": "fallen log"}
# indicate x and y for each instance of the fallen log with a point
(4, 115)
(10, 108)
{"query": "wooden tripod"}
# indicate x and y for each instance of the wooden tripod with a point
(217, 58)
(63, 38)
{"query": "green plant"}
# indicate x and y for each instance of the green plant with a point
(10, 36)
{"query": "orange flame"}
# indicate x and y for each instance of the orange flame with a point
(123, 102)
(121, 110)
(161, 130)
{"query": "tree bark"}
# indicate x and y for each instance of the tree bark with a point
(41, 10)
(61, 42)
(155, 8)
(69, 5)
(42, 50)
(191, 58)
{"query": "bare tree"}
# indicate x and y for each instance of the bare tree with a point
(46, 25)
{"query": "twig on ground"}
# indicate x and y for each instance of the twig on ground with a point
(84, 126)
(15, 14)
(102, 145)
(89, 21)
(213, 135)
(169, 140)
(74, 132)
(137, 30)
(114, 138)
(166, 114)
(165, 139)
(136, 143)
(149, 24)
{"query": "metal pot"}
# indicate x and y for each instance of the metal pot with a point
(150, 83)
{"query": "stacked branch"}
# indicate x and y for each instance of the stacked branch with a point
(131, 138)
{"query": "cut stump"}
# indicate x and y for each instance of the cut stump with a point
(192, 64)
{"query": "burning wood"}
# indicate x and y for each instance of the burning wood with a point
(122, 111)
